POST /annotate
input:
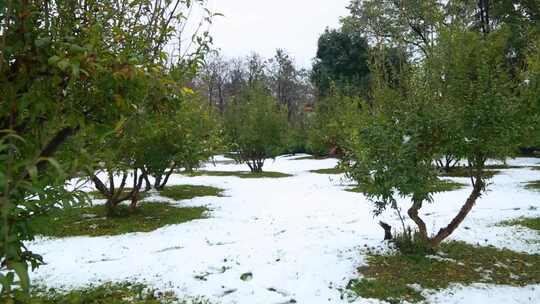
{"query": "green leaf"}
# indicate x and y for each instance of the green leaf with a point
(75, 70)
(54, 60)
(32, 171)
(63, 64)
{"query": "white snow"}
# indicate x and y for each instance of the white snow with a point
(300, 237)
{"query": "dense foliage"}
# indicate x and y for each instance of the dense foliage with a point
(96, 90)
(68, 70)
(342, 63)
(256, 127)
(458, 100)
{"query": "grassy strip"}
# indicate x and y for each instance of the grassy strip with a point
(313, 157)
(108, 293)
(533, 185)
(442, 186)
(183, 192)
(335, 170)
(241, 174)
(98, 195)
(391, 277)
(447, 186)
(503, 167)
(531, 223)
(91, 221)
(464, 172)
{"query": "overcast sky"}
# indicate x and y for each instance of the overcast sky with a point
(262, 26)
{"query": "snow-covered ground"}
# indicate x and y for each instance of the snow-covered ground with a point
(299, 237)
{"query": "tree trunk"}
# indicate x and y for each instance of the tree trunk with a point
(413, 214)
(163, 181)
(443, 233)
(135, 191)
(148, 185)
(116, 196)
(110, 208)
(157, 181)
(387, 230)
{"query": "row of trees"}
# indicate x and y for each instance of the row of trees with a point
(222, 80)
(264, 104)
(439, 81)
(90, 93)
(88, 90)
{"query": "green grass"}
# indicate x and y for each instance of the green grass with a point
(533, 185)
(448, 185)
(183, 192)
(108, 293)
(91, 221)
(306, 158)
(241, 174)
(98, 195)
(335, 170)
(441, 186)
(502, 167)
(531, 223)
(312, 157)
(463, 172)
(389, 277)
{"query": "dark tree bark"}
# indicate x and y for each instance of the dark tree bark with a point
(478, 188)
(449, 163)
(114, 195)
(162, 179)
(137, 185)
(255, 165)
(148, 185)
(413, 214)
(387, 230)
(484, 15)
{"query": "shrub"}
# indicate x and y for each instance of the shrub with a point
(256, 127)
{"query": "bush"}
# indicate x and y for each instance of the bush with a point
(256, 127)
(333, 124)
(411, 242)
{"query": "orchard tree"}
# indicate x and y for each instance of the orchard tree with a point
(289, 84)
(256, 127)
(172, 130)
(186, 140)
(334, 120)
(214, 77)
(531, 92)
(396, 23)
(67, 69)
(342, 63)
(463, 86)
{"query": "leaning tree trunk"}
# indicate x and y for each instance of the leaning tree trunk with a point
(162, 179)
(478, 188)
(435, 241)
(137, 185)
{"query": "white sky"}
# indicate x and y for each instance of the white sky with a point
(262, 26)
